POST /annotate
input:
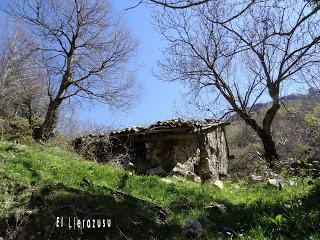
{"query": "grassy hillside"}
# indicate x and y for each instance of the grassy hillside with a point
(39, 183)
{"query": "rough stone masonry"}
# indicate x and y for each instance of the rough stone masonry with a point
(196, 149)
(180, 146)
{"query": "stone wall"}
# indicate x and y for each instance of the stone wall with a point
(203, 153)
(167, 153)
(213, 154)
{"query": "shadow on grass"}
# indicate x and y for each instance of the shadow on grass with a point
(297, 219)
(131, 218)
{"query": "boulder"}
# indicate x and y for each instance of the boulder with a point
(156, 171)
(218, 184)
(181, 170)
(178, 178)
(192, 228)
(216, 209)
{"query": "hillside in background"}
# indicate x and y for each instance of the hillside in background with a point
(296, 131)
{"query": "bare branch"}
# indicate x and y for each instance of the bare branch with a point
(241, 51)
(85, 49)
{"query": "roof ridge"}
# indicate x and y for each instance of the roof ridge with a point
(172, 123)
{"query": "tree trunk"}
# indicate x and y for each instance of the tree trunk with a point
(264, 133)
(45, 132)
(270, 152)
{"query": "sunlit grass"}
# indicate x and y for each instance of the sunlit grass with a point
(254, 211)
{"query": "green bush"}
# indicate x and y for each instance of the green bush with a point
(17, 129)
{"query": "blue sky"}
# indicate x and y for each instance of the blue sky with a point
(158, 98)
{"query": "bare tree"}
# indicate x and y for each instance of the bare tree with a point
(22, 92)
(71, 126)
(182, 4)
(174, 4)
(85, 49)
(7, 80)
(313, 78)
(241, 52)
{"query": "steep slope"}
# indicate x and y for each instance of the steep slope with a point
(40, 183)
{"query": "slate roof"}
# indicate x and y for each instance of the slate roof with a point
(171, 125)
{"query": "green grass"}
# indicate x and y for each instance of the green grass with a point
(35, 177)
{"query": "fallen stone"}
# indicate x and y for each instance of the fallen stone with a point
(218, 183)
(178, 179)
(166, 180)
(274, 175)
(257, 178)
(130, 166)
(292, 183)
(274, 182)
(192, 177)
(216, 209)
(279, 183)
(156, 171)
(192, 228)
(179, 169)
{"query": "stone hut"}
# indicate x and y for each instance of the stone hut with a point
(196, 149)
